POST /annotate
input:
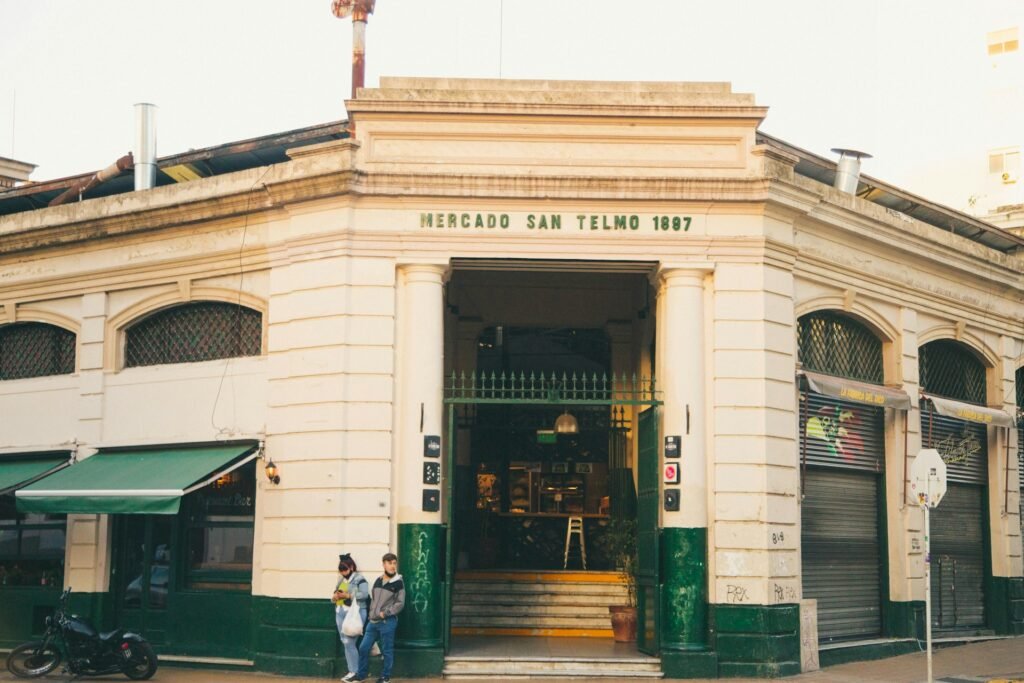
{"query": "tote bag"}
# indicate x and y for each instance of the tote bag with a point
(352, 626)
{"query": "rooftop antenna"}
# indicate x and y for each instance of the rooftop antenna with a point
(360, 11)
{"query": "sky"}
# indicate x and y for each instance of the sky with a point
(899, 79)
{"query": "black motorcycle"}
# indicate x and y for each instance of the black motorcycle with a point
(85, 651)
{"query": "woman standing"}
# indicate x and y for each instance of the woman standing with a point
(351, 592)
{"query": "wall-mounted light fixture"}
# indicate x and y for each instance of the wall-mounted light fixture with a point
(271, 469)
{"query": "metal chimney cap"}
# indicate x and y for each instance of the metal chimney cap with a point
(851, 153)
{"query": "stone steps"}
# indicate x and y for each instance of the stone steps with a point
(551, 667)
(535, 603)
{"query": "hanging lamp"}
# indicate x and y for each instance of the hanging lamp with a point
(566, 424)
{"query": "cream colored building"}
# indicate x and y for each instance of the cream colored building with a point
(629, 229)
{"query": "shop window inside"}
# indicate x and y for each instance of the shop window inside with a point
(220, 532)
(31, 547)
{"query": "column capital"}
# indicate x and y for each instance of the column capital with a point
(680, 272)
(426, 271)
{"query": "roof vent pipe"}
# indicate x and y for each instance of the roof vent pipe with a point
(848, 169)
(145, 146)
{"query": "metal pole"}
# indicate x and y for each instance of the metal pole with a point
(359, 16)
(928, 578)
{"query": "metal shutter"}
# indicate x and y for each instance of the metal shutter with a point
(837, 433)
(962, 445)
(1020, 477)
(840, 552)
(958, 554)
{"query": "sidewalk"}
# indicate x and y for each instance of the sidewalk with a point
(995, 660)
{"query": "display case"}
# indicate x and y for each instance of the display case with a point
(562, 493)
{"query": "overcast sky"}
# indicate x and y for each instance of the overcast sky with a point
(897, 78)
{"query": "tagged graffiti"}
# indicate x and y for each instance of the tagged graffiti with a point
(786, 594)
(422, 587)
(830, 425)
(734, 594)
(954, 449)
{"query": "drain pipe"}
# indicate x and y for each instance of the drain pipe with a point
(145, 146)
(848, 169)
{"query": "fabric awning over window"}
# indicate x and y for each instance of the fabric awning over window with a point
(971, 412)
(18, 470)
(858, 392)
(150, 481)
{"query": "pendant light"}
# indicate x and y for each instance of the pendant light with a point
(566, 424)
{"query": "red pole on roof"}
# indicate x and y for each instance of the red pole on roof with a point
(360, 11)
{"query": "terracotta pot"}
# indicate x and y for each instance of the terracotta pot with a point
(623, 623)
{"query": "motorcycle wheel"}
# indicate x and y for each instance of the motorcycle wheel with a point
(142, 665)
(31, 660)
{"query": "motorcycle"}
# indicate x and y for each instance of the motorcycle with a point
(85, 651)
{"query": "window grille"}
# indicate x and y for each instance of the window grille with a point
(839, 346)
(1020, 388)
(195, 332)
(948, 369)
(35, 350)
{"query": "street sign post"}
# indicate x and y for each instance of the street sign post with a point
(927, 487)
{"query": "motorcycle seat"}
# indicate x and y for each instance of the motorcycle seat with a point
(111, 636)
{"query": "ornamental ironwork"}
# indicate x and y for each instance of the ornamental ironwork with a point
(194, 332)
(837, 345)
(551, 388)
(948, 369)
(35, 350)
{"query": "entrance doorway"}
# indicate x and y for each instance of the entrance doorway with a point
(144, 547)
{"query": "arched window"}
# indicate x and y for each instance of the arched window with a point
(837, 345)
(193, 332)
(948, 369)
(35, 350)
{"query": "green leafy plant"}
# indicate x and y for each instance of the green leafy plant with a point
(619, 543)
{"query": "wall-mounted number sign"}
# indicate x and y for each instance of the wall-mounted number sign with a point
(432, 473)
(431, 446)
(672, 449)
(431, 500)
(670, 473)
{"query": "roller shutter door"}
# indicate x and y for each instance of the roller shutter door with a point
(843, 446)
(958, 538)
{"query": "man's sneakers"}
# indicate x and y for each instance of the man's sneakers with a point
(351, 677)
(383, 680)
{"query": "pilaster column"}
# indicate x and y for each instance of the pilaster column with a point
(419, 373)
(680, 374)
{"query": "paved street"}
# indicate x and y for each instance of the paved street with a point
(997, 661)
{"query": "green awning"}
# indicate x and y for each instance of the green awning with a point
(19, 470)
(150, 481)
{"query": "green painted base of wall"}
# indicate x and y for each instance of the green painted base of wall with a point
(1004, 605)
(904, 619)
(864, 653)
(418, 663)
(24, 612)
(422, 566)
(682, 664)
(757, 641)
(295, 637)
(684, 593)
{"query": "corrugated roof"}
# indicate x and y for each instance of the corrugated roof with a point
(197, 163)
(824, 170)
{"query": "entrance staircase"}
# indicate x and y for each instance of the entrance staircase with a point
(535, 603)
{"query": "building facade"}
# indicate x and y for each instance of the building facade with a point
(393, 313)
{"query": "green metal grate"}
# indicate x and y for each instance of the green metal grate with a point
(839, 346)
(194, 332)
(35, 350)
(948, 369)
(551, 388)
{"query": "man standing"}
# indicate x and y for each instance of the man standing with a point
(387, 598)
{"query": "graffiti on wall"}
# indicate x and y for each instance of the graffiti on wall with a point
(831, 425)
(958, 448)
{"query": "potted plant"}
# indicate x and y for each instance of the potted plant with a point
(619, 543)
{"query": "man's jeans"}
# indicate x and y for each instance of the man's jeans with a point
(385, 632)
